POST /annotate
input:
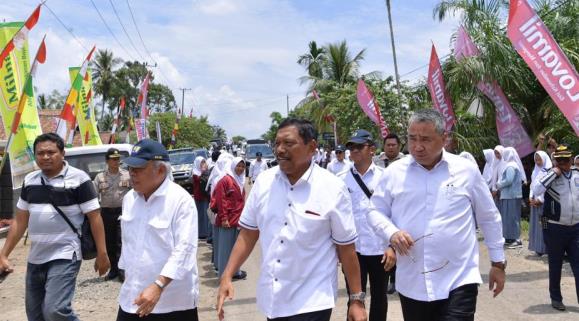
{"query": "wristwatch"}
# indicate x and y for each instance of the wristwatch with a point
(501, 265)
(360, 296)
(160, 284)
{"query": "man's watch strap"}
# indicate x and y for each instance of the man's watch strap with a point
(501, 265)
(160, 284)
(360, 296)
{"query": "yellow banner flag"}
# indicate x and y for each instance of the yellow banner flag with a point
(12, 77)
(84, 110)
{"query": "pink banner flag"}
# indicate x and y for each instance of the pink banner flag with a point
(509, 127)
(534, 42)
(141, 124)
(438, 92)
(370, 107)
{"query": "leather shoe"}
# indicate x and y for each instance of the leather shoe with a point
(558, 305)
(111, 275)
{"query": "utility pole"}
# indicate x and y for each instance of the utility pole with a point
(183, 99)
(394, 51)
(287, 104)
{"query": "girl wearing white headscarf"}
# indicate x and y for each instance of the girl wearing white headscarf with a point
(498, 165)
(511, 192)
(489, 165)
(227, 201)
(542, 166)
(200, 195)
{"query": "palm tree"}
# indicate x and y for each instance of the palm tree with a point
(340, 67)
(42, 101)
(103, 76)
(313, 60)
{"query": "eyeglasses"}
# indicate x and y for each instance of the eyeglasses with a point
(413, 259)
(357, 146)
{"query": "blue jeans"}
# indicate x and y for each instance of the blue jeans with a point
(50, 289)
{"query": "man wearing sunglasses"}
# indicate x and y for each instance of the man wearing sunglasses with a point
(423, 207)
(561, 212)
(340, 163)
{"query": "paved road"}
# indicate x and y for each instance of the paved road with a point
(525, 298)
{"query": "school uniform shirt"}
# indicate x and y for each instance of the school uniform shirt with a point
(336, 166)
(299, 227)
(436, 208)
(256, 168)
(160, 238)
(368, 243)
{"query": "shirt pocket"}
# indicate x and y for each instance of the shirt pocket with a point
(160, 237)
(312, 226)
(453, 198)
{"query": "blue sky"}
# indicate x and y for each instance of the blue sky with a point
(238, 56)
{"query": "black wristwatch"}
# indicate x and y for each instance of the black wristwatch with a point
(501, 265)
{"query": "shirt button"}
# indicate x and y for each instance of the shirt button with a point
(291, 188)
(285, 223)
(275, 279)
(278, 261)
(290, 204)
(281, 241)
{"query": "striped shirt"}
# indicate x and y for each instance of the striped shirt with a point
(51, 237)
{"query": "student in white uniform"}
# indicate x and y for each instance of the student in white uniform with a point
(340, 163)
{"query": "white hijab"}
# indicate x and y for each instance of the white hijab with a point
(468, 156)
(489, 165)
(512, 159)
(498, 166)
(219, 170)
(546, 165)
(197, 165)
(239, 179)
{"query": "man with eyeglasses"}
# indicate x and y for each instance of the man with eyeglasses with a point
(423, 207)
(159, 231)
(340, 163)
(374, 255)
(112, 185)
(561, 215)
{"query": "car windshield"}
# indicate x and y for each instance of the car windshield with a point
(182, 158)
(265, 150)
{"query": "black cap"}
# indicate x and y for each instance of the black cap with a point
(258, 154)
(146, 150)
(361, 136)
(340, 148)
(112, 153)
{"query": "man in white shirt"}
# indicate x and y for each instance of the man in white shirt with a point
(256, 167)
(302, 216)
(391, 151)
(424, 207)
(340, 163)
(374, 255)
(159, 234)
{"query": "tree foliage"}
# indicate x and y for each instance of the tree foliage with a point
(193, 132)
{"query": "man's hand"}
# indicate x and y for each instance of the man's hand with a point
(226, 291)
(496, 280)
(389, 259)
(357, 311)
(147, 300)
(5, 266)
(557, 171)
(402, 242)
(102, 263)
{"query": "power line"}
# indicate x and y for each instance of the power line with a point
(418, 68)
(125, 30)
(111, 31)
(64, 26)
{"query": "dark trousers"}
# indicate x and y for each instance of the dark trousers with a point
(323, 315)
(460, 306)
(112, 227)
(561, 239)
(185, 315)
(370, 265)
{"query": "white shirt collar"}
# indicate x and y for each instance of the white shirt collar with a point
(305, 178)
(443, 159)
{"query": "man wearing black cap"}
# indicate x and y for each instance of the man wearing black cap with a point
(340, 163)
(374, 255)
(112, 185)
(159, 231)
(561, 210)
(256, 167)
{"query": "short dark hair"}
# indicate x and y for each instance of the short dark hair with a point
(305, 128)
(392, 136)
(49, 137)
(215, 155)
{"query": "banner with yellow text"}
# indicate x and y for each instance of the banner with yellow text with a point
(12, 77)
(85, 110)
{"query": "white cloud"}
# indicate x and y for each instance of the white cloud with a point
(218, 7)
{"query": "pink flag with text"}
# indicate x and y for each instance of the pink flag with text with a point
(370, 107)
(509, 127)
(438, 92)
(534, 42)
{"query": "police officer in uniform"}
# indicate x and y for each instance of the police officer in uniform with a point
(112, 185)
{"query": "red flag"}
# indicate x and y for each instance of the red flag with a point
(370, 107)
(536, 45)
(438, 92)
(20, 36)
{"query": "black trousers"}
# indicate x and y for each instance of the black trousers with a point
(185, 315)
(323, 315)
(460, 306)
(561, 239)
(370, 265)
(112, 227)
